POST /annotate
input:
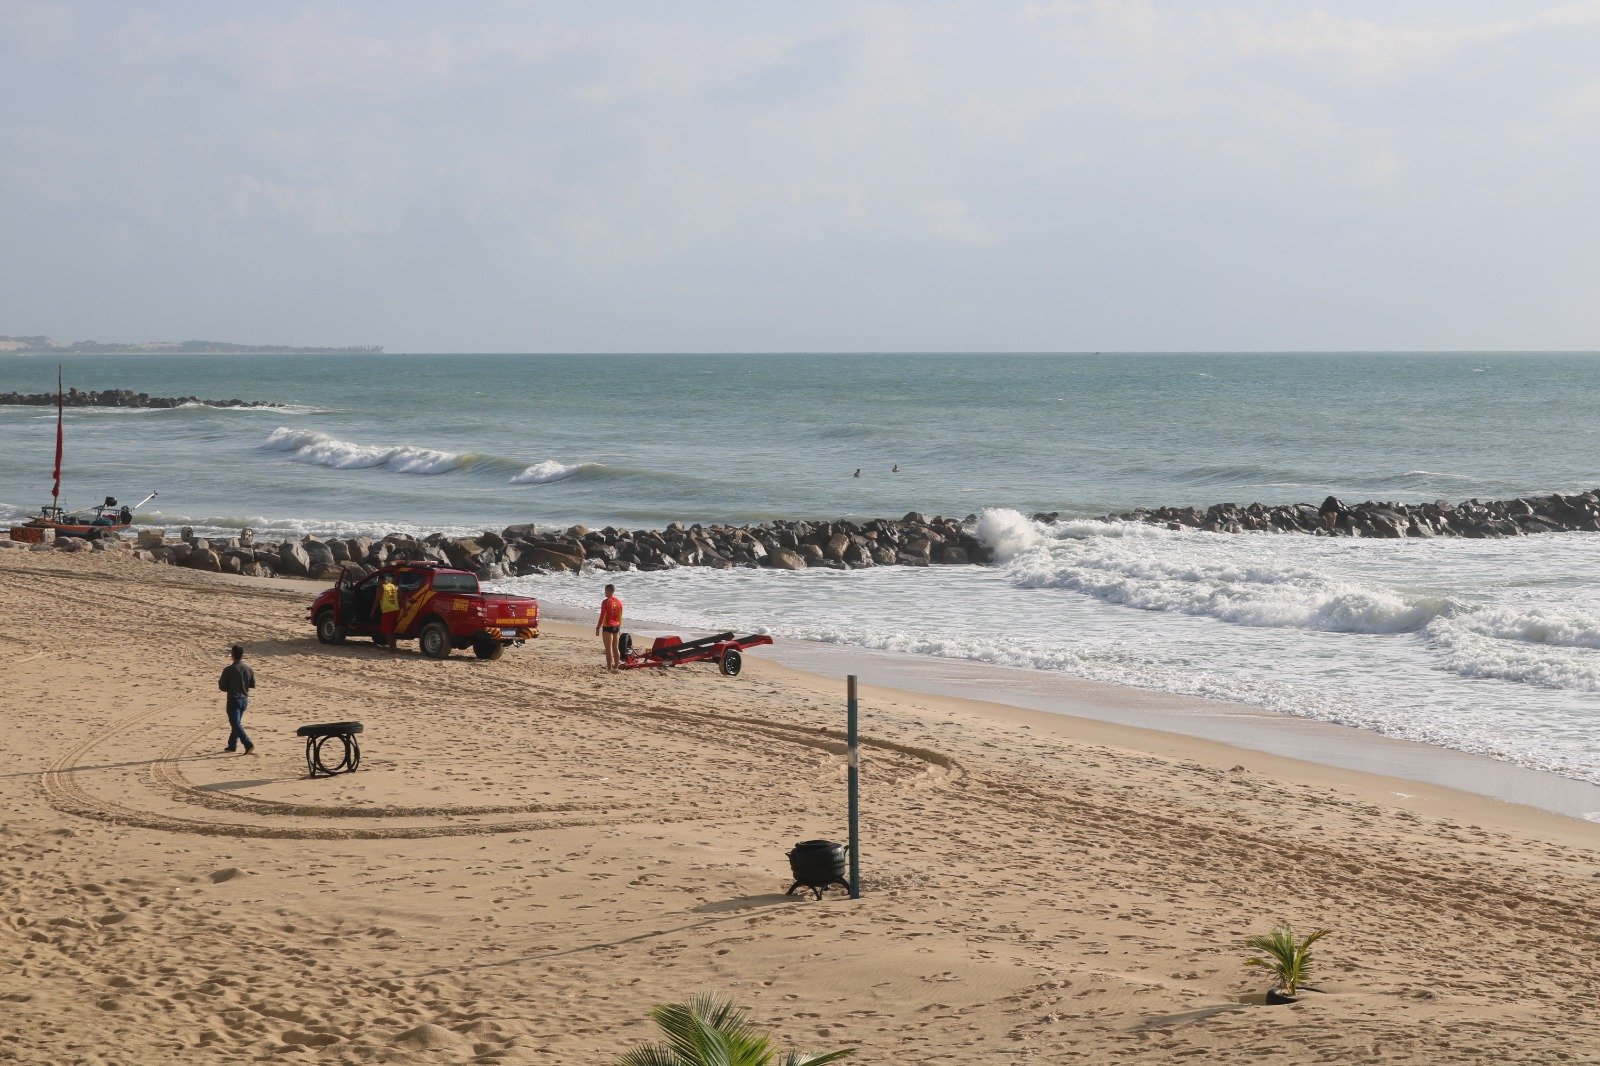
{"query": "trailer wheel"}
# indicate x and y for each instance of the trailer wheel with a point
(731, 662)
(488, 648)
(435, 640)
(329, 631)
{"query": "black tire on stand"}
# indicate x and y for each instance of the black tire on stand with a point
(435, 640)
(349, 760)
(731, 662)
(488, 648)
(329, 631)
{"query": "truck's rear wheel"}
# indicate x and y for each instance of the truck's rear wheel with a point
(329, 631)
(435, 640)
(488, 648)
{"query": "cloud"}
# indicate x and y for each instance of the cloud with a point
(711, 171)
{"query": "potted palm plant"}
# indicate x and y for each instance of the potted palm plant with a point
(710, 1031)
(1288, 959)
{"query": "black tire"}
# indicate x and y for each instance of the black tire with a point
(488, 648)
(731, 662)
(435, 640)
(329, 631)
(624, 644)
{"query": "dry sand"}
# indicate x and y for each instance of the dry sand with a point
(535, 852)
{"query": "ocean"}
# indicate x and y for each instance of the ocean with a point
(1490, 647)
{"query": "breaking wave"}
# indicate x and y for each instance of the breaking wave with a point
(319, 449)
(1161, 570)
(548, 471)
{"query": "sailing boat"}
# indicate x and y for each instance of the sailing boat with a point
(92, 522)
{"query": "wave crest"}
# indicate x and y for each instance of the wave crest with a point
(548, 471)
(319, 449)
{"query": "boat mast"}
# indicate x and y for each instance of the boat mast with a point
(55, 493)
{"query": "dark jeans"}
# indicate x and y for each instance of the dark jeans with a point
(236, 733)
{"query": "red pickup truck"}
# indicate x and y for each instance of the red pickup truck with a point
(440, 607)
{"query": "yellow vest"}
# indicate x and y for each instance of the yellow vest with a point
(388, 597)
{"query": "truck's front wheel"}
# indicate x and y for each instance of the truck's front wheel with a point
(329, 631)
(435, 640)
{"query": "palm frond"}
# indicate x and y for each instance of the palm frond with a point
(650, 1055)
(712, 1031)
(796, 1058)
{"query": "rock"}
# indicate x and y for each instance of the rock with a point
(952, 555)
(784, 559)
(293, 560)
(319, 557)
(151, 538)
(551, 558)
(72, 544)
(203, 559)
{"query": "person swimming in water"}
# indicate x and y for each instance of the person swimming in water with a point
(857, 473)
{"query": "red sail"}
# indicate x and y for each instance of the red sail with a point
(55, 493)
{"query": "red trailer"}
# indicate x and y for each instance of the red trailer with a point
(724, 649)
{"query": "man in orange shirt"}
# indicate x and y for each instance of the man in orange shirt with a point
(609, 625)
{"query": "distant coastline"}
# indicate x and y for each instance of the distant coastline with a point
(41, 345)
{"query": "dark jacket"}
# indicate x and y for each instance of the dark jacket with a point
(237, 679)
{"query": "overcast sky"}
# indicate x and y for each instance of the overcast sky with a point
(1119, 175)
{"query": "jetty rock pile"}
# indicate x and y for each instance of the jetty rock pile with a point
(914, 540)
(117, 398)
(1555, 513)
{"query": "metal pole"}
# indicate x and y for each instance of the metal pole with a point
(855, 797)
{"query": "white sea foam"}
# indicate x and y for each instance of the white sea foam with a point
(1550, 647)
(543, 473)
(1154, 569)
(277, 527)
(320, 449)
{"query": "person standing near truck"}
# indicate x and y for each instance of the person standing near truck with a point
(389, 605)
(237, 680)
(609, 625)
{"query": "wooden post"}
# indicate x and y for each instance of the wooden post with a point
(855, 796)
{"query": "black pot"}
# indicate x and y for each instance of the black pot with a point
(816, 864)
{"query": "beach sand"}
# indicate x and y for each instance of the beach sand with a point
(534, 853)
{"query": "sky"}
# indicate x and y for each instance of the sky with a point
(1117, 175)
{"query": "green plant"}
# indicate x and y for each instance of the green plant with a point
(710, 1031)
(1288, 959)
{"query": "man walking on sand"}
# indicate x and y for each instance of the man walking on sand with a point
(609, 625)
(237, 680)
(389, 604)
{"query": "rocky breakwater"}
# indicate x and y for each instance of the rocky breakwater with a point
(117, 398)
(1555, 513)
(915, 540)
